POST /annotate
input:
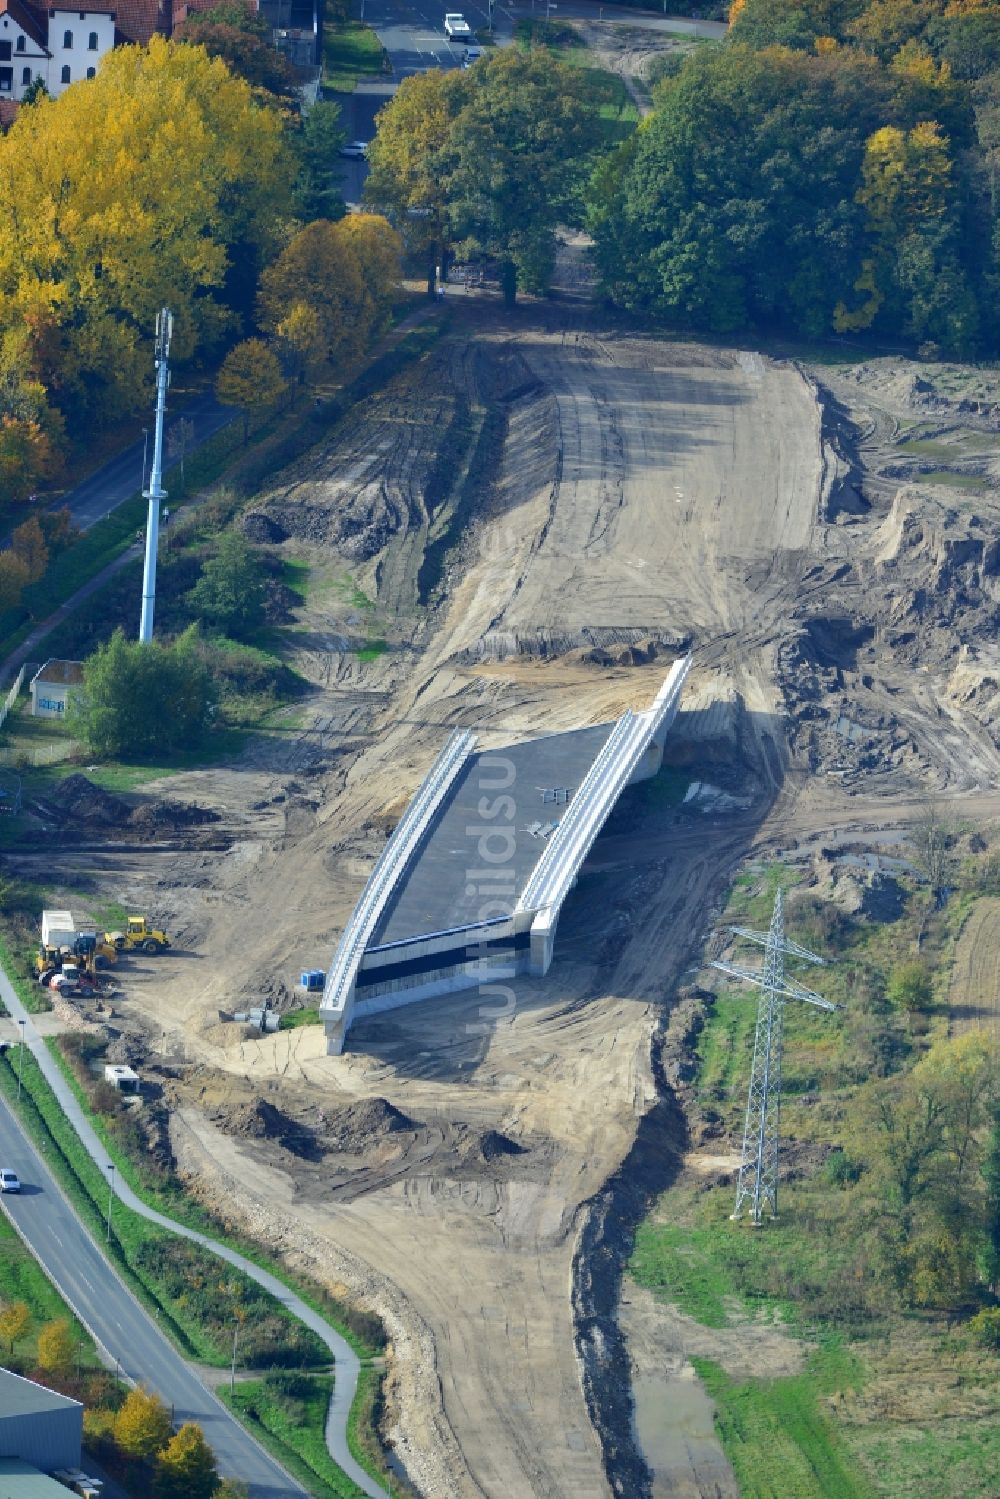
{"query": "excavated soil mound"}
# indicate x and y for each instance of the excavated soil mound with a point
(90, 805)
(256, 1119)
(262, 528)
(86, 802)
(358, 1126)
(489, 1145)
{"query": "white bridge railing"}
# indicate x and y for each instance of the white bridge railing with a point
(596, 795)
(390, 867)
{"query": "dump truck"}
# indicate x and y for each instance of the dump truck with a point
(138, 933)
(457, 28)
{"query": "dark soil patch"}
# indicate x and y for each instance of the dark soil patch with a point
(358, 1126)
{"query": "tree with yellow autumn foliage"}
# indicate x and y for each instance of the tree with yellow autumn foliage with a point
(333, 284)
(55, 1347)
(142, 1425)
(129, 192)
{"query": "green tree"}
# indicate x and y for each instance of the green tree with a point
(230, 592)
(251, 379)
(518, 156)
(142, 1425)
(15, 1323)
(735, 203)
(55, 1347)
(143, 699)
(317, 141)
(910, 986)
(185, 1469)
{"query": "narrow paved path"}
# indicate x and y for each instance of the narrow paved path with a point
(114, 1305)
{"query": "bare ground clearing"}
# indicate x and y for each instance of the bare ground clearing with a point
(632, 496)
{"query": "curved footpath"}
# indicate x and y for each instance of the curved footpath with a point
(347, 1364)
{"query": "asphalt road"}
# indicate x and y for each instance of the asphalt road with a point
(121, 477)
(127, 1334)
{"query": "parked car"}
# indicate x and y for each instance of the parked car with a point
(355, 150)
(472, 54)
(8, 1180)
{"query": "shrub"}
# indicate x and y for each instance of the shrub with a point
(840, 1170)
(985, 1328)
(910, 986)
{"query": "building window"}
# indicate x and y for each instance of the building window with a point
(4, 51)
(6, 80)
(66, 76)
(92, 42)
(67, 38)
(20, 44)
(91, 72)
(25, 77)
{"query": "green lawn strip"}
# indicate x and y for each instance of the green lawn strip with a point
(778, 1440)
(292, 1429)
(351, 50)
(175, 1203)
(23, 1279)
(363, 1423)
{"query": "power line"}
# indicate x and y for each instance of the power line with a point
(757, 1184)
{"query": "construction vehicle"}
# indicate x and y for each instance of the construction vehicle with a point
(76, 956)
(138, 933)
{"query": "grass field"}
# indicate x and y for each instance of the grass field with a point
(351, 50)
(778, 1440)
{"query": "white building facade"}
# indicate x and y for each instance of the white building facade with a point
(60, 47)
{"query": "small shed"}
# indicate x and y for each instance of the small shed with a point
(53, 685)
(121, 1077)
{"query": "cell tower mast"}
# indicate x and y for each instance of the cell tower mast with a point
(757, 1185)
(155, 493)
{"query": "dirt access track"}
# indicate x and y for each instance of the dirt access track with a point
(597, 502)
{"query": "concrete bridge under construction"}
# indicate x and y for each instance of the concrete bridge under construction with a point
(469, 888)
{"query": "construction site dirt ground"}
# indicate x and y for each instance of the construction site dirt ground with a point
(604, 501)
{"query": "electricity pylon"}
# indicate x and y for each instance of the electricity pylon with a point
(757, 1185)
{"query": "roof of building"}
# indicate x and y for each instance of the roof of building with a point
(20, 1480)
(480, 850)
(30, 19)
(23, 1397)
(137, 20)
(68, 673)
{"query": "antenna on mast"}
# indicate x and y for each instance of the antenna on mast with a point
(155, 493)
(757, 1184)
